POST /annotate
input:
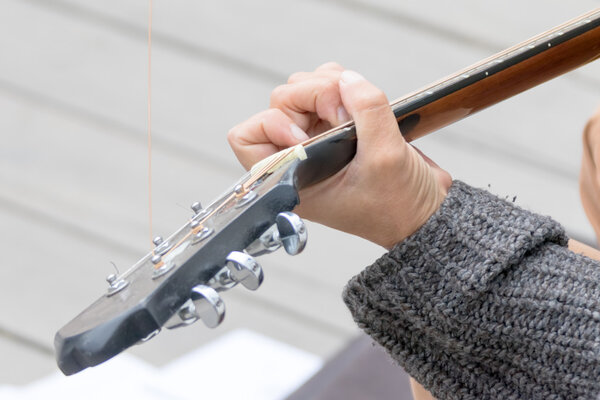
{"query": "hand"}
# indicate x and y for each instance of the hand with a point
(589, 178)
(385, 193)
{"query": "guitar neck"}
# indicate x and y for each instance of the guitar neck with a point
(512, 71)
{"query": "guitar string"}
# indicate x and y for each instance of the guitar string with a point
(150, 123)
(264, 171)
(566, 25)
(594, 14)
(245, 185)
(558, 30)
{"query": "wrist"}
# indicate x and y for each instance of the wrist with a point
(404, 227)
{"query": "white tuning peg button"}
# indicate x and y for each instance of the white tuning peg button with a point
(292, 232)
(208, 305)
(244, 269)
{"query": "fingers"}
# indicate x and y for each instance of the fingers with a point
(376, 126)
(296, 107)
(309, 97)
(262, 135)
(317, 94)
(330, 68)
(325, 94)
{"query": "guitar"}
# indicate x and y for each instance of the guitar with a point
(179, 282)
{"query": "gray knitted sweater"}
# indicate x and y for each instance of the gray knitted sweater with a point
(485, 301)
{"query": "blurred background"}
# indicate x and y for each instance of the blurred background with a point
(73, 155)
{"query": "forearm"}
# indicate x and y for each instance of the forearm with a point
(420, 393)
(485, 298)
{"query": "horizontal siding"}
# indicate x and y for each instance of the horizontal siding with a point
(73, 152)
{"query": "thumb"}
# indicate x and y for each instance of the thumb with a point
(376, 125)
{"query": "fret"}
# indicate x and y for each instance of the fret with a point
(496, 78)
(543, 41)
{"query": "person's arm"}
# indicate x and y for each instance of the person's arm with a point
(420, 393)
(385, 173)
(390, 194)
(584, 249)
(486, 301)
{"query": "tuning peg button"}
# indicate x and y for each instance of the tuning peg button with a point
(244, 269)
(292, 232)
(115, 284)
(288, 231)
(162, 246)
(208, 305)
(205, 304)
(196, 207)
(246, 199)
(267, 243)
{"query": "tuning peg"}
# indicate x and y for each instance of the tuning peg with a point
(162, 246)
(288, 231)
(292, 232)
(115, 284)
(205, 304)
(199, 213)
(267, 243)
(196, 207)
(208, 305)
(243, 268)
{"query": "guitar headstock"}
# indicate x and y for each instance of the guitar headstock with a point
(178, 283)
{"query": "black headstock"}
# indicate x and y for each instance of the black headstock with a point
(178, 283)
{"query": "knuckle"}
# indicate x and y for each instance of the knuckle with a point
(270, 114)
(326, 99)
(331, 65)
(388, 160)
(372, 101)
(330, 86)
(296, 76)
(277, 94)
(233, 134)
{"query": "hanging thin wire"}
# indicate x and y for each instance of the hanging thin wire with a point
(150, 121)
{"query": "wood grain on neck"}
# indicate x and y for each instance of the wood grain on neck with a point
(520, 75)
(473, 89)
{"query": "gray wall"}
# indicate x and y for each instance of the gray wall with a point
(73, 194)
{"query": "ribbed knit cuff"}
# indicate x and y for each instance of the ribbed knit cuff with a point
(485, 301)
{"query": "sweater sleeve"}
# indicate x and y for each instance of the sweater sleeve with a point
(485, 301)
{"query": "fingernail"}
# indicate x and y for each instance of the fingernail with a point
(351, 77)
(342, 114)
(298, 132)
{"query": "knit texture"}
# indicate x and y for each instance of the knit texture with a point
(485, 301)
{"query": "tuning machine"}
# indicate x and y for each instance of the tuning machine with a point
(288, 231)
(115, 284)
(205, 304)
(243, 268)
(162, 246)
(292, 232)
